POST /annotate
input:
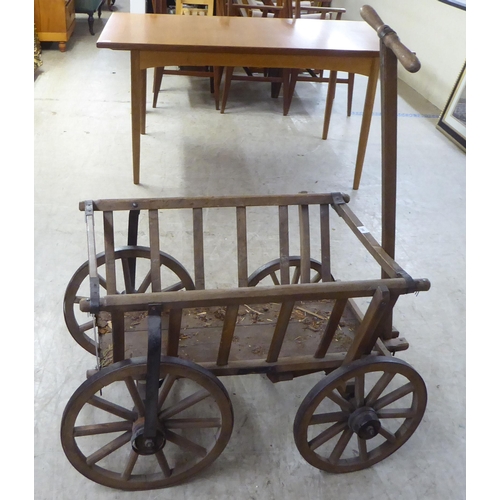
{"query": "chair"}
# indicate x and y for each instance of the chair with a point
(321, 9)
(277, 77)
(192, 8)
(89, 7)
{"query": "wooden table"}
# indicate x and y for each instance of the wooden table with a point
(156, 40)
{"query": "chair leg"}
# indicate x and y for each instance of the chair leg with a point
(227, 86)
(91, 23)
(287, 90)
(158, 74)
(275, 86)
(216, 84)
(330, 95)
(294, 74)
(350, 89)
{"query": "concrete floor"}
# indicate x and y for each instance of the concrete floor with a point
(83, 151)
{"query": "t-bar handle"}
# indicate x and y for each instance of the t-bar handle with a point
(391, 40)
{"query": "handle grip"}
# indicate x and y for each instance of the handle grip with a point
(391, 40)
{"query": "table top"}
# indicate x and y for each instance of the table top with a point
(161, 32)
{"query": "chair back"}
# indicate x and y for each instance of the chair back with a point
(194, 7)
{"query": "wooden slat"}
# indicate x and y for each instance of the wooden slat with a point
(118, 334)
(174, 331)
(279, 331)
(331, 327)
(259, 295)
(210, 201)
(366, 335)
(199, 262)
(227, 335)
(284, 246)
(326, 273)
(241, 230)
(109, 249)
(305, 244)
(199, 259)
(154, 244)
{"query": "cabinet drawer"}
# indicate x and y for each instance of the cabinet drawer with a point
(70, 13)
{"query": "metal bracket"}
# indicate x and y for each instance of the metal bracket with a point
(385, 30)
(339, 199)
(153, 371)
(410, 282)
(93, 277)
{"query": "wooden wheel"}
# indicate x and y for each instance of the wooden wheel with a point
(101, 425)
(173, 274)
(338, 430)
(270, 273)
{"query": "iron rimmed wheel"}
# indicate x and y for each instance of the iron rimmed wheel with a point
(338, 433)
(174, 274)
(101, 431)
(269, 273)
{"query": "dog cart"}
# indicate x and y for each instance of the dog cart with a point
(154, 411)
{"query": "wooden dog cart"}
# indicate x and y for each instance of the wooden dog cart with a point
(153, 412)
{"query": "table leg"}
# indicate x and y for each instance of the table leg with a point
(143, 100)
(366, 121)
(136, 100)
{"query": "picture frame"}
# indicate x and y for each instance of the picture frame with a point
(452, 121)
(460, 4)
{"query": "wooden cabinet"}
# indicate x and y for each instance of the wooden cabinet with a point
(55, 21)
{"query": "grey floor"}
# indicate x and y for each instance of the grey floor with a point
(83, 151)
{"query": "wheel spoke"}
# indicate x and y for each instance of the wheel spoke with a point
(78, 298)
(393, 396)
(359, 390)
(132, 459)
(192, 423)
(326, 435)
(132, 389)
(174, 288)
(296, 275)
(337, 398)
(340, 446)
(184, 404)
(102, 282)
(363, 452)
(112, 408)
(165, 389)
(86, 326)
(145, 283)
(316, 278)
(109, 448)
(379, 387)
(326, 418)
(185, 443)
(387, 434)
(127, 277)
(162, 460)
(92, 430)
(396, 413)
(275, 279)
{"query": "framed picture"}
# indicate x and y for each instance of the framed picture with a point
(453, 118)
(461, 4)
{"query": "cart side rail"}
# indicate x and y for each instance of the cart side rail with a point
(383, 293)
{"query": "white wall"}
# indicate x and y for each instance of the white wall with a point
(433, 30)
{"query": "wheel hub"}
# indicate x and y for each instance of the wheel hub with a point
(143, 445)
(364, 422)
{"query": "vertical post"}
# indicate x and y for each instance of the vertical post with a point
(389, 96)
(389, 122)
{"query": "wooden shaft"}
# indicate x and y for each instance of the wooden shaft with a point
(331, 327)
(305, 244)
(154, 243)
(326, 273)
(174, 330)
(109, 249)
(199, 266)
(227, 334)
(284, 246)
(390, 39)
(241, 229)
(279, 331)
